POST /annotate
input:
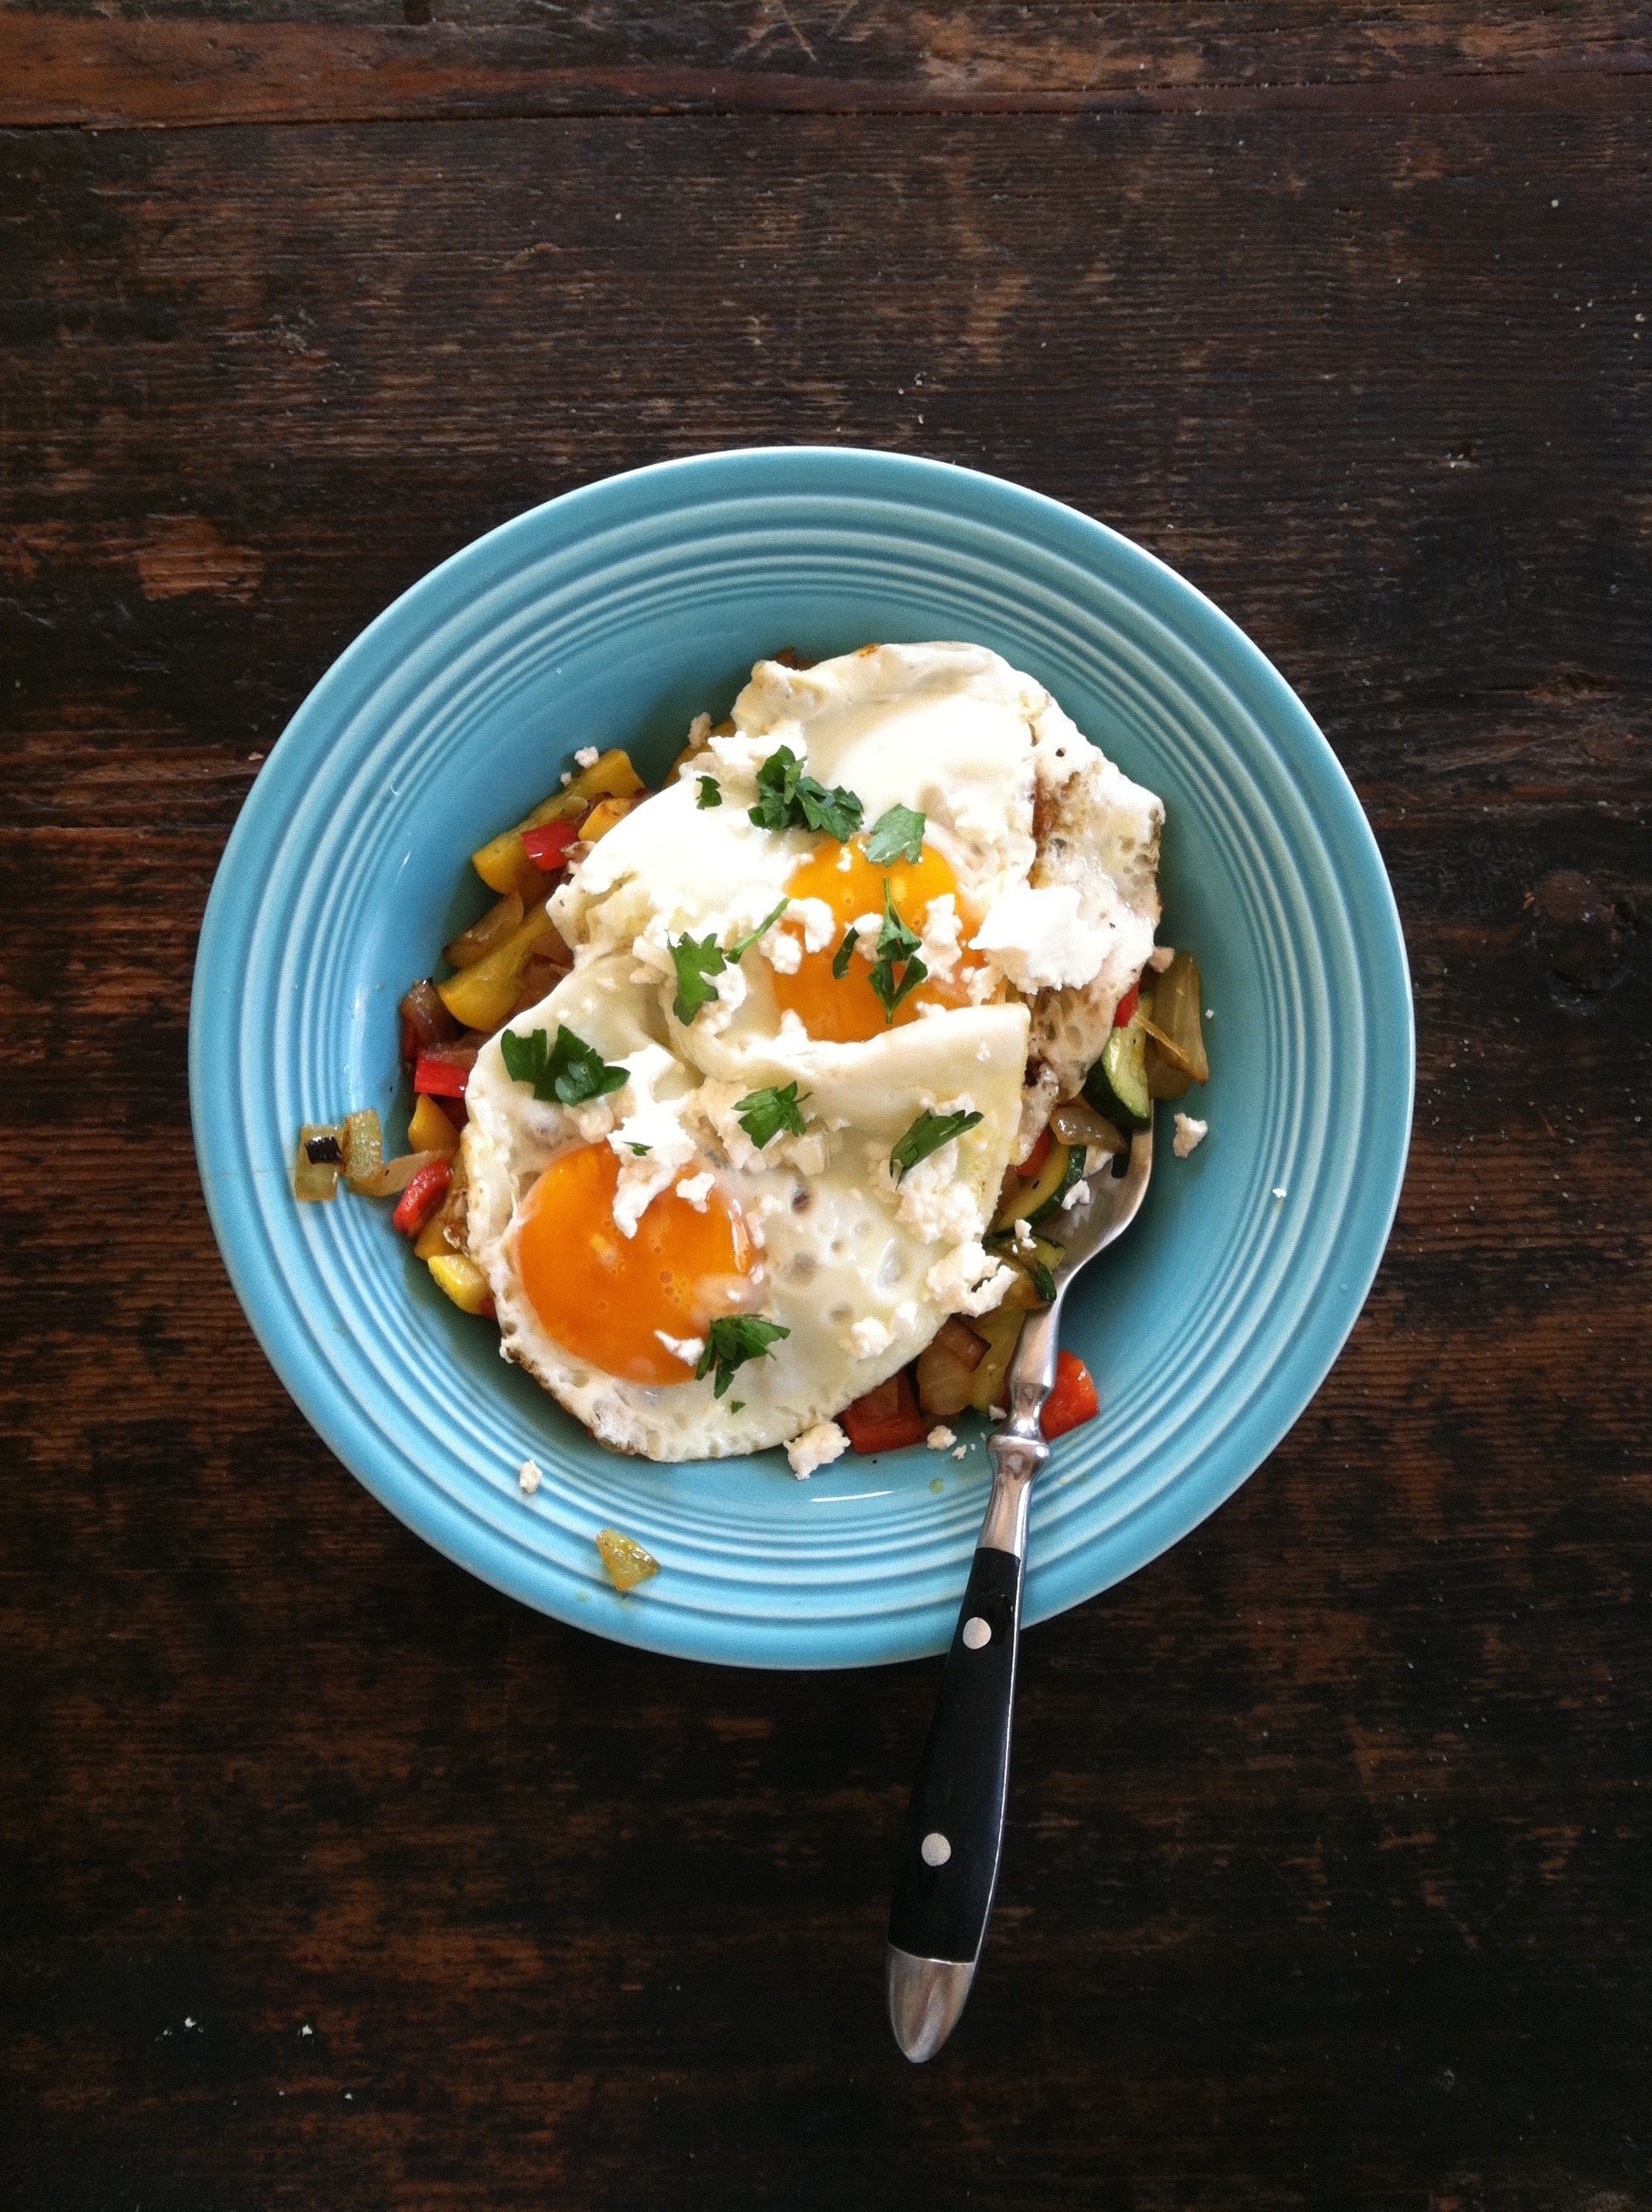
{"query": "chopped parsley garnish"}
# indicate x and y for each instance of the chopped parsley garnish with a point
(565, 1073)
(640, 1148)
(763, 1114)
(697, 959)
(789, 799)
(896, 945)
(733, 1339)
(845, 952)
(709, 793)
(897, 835)
(926, 1135)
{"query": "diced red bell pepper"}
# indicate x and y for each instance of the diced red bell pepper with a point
(439, 1072)
(548, 848)
(1074, 1400)
(1125, 1011)
(419, 1201)
(885, 1418)
(1034, 1164)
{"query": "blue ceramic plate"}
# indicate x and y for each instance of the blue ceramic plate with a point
(609, 618)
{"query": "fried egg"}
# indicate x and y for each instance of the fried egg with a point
(616, 1232)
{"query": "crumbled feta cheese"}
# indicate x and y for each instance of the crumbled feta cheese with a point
(1160, 958)
(730, 987)
(528, 1478)
(816, 1447)
(1190, 1135)
(782, 950)
(688, 1349)
(962, 1452)
(997, 1413)
(656, 1124)
(942, 932)
(792, 1034)
(1041, 938)
(694, 1190)
(819, 922)
(1078, 1195)
(586, 757)
(1024, 1239)
(844, 860)
(940, 1438)
(808, 1153)
(968, 1280)
(1280, 1192)
(868, 1338)
(929, 1199)
(906, 1314)
(867, 928)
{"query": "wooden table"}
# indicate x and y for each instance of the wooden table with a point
(328, 1878)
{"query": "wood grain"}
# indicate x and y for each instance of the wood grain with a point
(340, 61)
(328, 1876)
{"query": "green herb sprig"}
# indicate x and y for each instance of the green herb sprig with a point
(566, 1073)
(763, 1114)
(926, 1135)
(897, 947)
(698, 959)
(731, 1341)
(897, 835)
(789, 799)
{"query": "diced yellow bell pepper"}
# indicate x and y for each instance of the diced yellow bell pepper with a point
(501, 862)
(458, 1274)
(430, 1130)
(1002, 1330)
(627, 1563)
(482, 997)
(602, 817)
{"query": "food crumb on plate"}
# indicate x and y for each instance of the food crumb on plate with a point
(1190, 1134)
(586, 757)
(1280, 1192)
(940, 1437)
(962, 1452)
(816, 1447)
(528, 1478)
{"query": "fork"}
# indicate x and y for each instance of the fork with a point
(946, 1868)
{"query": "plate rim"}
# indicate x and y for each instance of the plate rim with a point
(772, 1642)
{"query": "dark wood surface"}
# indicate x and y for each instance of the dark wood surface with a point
(330, 1879)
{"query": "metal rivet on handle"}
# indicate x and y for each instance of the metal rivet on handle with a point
(936, 1848)
(976, 1632)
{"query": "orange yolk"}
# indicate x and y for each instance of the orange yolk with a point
(846, 1010)
(601, 1295)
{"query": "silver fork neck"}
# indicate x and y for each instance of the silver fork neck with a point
(1016, 1446)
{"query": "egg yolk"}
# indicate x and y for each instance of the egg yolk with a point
(600, 1294)
(845, 1009)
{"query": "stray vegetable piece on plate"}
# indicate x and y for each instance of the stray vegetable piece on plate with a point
(627, 1562)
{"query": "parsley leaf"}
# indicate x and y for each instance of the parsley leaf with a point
(895, 942)
(709, 793)
(696, 959)
(897, 835)
(763, 1114)
(731, 1341)
(926, 1135)
(565, 1073)
(789, 799)
(845, 952)
(640, 1149)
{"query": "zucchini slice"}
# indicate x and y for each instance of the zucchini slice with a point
(1035, 1200)
(1117, 1084)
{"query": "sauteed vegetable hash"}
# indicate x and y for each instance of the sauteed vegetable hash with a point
(752, 1109)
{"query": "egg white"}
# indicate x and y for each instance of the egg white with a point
(1049, 842)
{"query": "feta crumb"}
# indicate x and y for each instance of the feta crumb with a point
(906, 1314)
(1190, 1135)
(816, 1447)
(688, 1349)
(1024, 1239)
(844, 860)
(942, 933)
(868, 1338)
(940, 1438)
(997, 1413)
(808, 1153)
(586, 757)
(1078, 1195)
(781, 948)
(1160, 958)
(819, 922)
(1041, 938)
(656, 1124)
(963, 1452)
(528, 1478)
(1280, 1192)
(694, 1190)
(968, 1280)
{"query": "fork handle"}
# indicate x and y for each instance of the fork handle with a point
(946, 1865)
